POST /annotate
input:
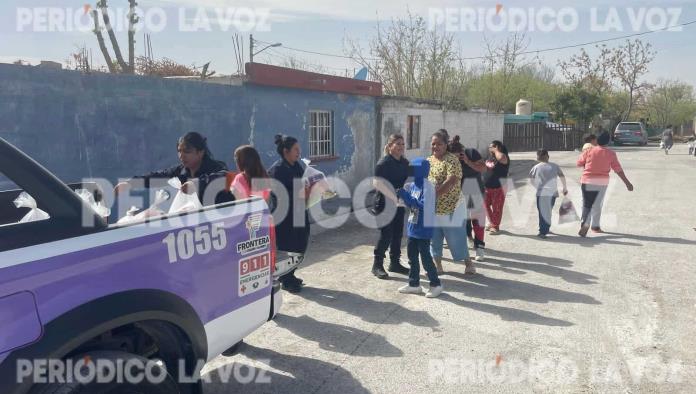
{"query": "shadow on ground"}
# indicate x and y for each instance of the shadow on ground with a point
(520, 268)
(508, 314)
(337, 337)
(287, 375)
(606, 238)
(372, 311)
(487, 288)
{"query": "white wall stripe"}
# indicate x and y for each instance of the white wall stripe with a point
(117, 233)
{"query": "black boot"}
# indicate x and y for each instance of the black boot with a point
(290, 283)
(378, 269)
(396, 267)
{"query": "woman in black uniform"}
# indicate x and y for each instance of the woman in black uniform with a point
(290, 238)
(197, 168)
(392, 170)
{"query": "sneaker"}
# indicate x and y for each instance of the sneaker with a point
(480, 256)
(411, 290)
(470, 269)
(583, 230)
(434, 292)
(597, 230)
(494, 231)
(542, 236)
(397, 268)
(379, 272)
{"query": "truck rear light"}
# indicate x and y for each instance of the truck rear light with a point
(272, 234)
(638, 133)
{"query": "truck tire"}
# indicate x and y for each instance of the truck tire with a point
(143, 386)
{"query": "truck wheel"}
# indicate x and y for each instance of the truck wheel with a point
(101, 362)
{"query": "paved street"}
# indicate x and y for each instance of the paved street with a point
(611, 313)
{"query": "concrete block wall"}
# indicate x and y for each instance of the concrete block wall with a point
(116, 126)
(475, 129)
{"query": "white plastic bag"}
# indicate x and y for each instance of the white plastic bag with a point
(131, 216)
(315, 180)
(183, 202)
(567, 213)
(98, 207)
(24, 200)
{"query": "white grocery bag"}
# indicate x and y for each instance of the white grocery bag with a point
(160, 197)
(24, 200)
(98, 207)
(183, 202)
(566, 212)
(316, 181)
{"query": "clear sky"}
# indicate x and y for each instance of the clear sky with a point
(324, 25)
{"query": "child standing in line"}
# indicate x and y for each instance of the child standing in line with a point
(543, 177)
(419, 197)
(692, 146)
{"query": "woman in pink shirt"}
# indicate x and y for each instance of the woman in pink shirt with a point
(250, 171)
(597, 161)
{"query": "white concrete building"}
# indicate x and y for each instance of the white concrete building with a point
(418, 119)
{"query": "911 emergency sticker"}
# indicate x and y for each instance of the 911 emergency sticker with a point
(254, 274)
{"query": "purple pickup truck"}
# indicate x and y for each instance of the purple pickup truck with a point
(171, 292)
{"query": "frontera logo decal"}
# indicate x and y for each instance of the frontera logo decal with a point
(255, 243)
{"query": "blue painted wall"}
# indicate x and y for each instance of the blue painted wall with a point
(116, 126)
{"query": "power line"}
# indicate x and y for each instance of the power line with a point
(274, 52)
(521, 53)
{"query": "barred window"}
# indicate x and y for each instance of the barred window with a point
(321, 134)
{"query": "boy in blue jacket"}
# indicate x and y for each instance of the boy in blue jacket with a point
(419, 197)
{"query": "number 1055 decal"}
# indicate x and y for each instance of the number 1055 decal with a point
(183, 244)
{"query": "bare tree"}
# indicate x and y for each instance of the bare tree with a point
(593, 74)
(630, 64)
(102, 45)
(132, 20)
(409, 60)
(502, 61)
(124, 67)
(300, 64)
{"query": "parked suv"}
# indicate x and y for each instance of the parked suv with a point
(630, 133)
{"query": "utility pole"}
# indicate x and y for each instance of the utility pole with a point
(251, 48)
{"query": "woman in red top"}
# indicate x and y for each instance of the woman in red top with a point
(597, 162)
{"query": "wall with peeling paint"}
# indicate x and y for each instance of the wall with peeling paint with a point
(115, 126)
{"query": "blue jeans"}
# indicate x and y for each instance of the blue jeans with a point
(545, 207)
(453, 228)
(420, 247)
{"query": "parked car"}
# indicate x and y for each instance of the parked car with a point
(630, 133)
(179, 288)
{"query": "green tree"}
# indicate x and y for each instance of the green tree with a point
(670, 102)
(579, 104)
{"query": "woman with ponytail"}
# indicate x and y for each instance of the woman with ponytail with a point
(498, 166)
(390, 175)
(197, 170)
(290, 237)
